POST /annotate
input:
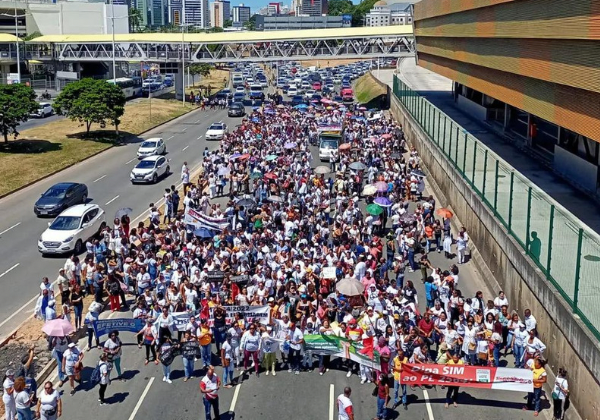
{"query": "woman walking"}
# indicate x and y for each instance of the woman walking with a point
(8, 396)
(165, 351)
(251, 346)
(560, 394)
(539, 379)
(148, 335)
(112, 348)
(383, 397)
(49, 406)
(23, 400)
(452, 391)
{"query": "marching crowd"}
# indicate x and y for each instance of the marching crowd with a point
(368, 221)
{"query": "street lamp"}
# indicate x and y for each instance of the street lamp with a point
(183, 26)
(112, 19)
(17, 41)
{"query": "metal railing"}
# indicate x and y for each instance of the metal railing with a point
(564, 248)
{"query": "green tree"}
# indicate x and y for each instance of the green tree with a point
(251, 24)
(135, 19)
(17, 101)
(360, 10)
(32, 35)
(340, 7)
(91, 101)
(228, 23)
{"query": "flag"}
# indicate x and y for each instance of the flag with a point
(235, 290)
(205, 311)
(368, 348)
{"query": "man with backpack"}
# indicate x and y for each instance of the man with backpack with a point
(100, 375)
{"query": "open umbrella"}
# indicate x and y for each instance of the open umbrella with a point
(301, 106)
(245, 156)
(246, 202)
(444, 212)
(270, 158)
(290, 145)
(386, 136)
(381, 186)
(275, 199)
(204, 233)
(383, 201)
(235, 156)
(271, 175)
(357, 166)
(349, 286)
(255, 175)
(361, 108)
(395, 155)
(374, 209)
(58, 327)
(345, 146)
(322, 169)
(417, 172)
(125, 211)
(369, 190)
(280, 106)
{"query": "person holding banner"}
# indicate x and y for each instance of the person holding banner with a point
(397, 371)
(189, 350)
(539, 379)
(452, 391)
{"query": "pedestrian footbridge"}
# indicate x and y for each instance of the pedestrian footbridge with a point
(339, 43)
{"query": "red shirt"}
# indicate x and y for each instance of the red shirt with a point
(425, 326)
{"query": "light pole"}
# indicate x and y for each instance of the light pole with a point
(114, 51)
(183, 26)
(16, 16)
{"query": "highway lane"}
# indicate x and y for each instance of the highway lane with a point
(36, 122)
(107, 177)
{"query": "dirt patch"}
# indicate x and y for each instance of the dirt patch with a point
(217, 80)
(43, 150)
(367, 88)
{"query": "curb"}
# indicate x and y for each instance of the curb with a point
(89, 157)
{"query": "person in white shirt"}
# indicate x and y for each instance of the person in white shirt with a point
(500, 300)
(345, 409)
(530, 321)
(296, 339)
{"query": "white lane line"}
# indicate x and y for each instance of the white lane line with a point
(141, 400)
(9, 270)
(331, 400)
(110, 201)
(12, 227)
(199, 138)
(131, 160)
(234, 400)
(98, 179)
(428, 404)
(197, 121)
(183, 150)
(170, 137)
(183, 130)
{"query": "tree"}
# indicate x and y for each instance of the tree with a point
(135, 19)
(340, 7)
(17, 101)
(251, 24)
(91, 101)
(228, 23)
(32, 35)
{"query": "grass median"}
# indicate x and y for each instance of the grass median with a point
(41, 151)
(367, 88)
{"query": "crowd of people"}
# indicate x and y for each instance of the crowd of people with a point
(287, 223)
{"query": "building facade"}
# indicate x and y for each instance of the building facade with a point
(240, 14)
(220, 11)
(384, 14)
(312, 7)
(530, 68)
(286, 22)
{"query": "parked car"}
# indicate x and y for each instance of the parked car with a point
(151, 147)
(60, 197)
(71, 229)
(150, 169)
(45, 110)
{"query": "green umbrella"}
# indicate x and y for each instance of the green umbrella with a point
(374, 209)
(256, 175)
(271, 157)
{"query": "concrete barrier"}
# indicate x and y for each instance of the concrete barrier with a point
(505, 266)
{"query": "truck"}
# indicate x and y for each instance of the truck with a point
(330, 139)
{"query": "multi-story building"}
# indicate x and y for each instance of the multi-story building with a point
(197, 13)
(219, 12)
(274, 9)
(529, 68)
(311, 7)
(385, 14)
(286, 22)
(240, 14)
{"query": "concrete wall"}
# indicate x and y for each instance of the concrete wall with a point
(505, 266)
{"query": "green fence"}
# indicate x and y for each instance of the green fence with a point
(565, 250)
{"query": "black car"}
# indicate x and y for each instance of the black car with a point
(297, 100)
(236, 109)
(59, 197)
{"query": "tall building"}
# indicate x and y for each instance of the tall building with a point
(311, 7)
(384, 14)
(219, 13)
(287, 23)
(197, 13)
(240, 14)
(274, 9)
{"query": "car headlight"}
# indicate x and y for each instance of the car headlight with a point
(69, 239)
(40, 240)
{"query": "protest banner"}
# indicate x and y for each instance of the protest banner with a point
(250, 313)
(200, 220)
(244, 278)
(190, 349)
(104, 326)
(215, 276)
(484, 377)
(329, 272)
(340, 347)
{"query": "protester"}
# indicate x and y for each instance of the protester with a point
(72, 365)
(104, 371)
(49, 406)
(209, 387)
(560, 394)
(345, 408)
(8, 395)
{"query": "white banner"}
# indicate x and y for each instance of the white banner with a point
(250, 313)
(199, 220)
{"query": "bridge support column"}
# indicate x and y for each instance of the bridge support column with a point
(179, 90)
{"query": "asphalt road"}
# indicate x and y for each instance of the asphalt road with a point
(36, 122)
(107, 178)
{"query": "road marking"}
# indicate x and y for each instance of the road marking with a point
(199, 137)
(9, 270)
(428, 404)
(129, 161)
(331, 400)
(170, 137)
(141, 400)
(235, 397)
(183, 150)
(98, 179)
(184, 128)
(13, 226)
(110, 201)
(197, 121)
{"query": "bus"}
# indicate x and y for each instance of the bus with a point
(131, 86)
(330, 139)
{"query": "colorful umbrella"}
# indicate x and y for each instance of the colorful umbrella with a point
(301, 106)
(235, 156)
(383, 201)
(345, 146)
(270, 175)
(255, 175)
(374, 209)
(275, 199)
(381, 186)
(350, 287)
(386, 136)
(58, 327)
(290, 145)
(245, 156)
(203, 233)
(322, 170)
(357, 166)
(444, 212)
(270, 158)
(369, 190)
(361, 108)
(417, 172)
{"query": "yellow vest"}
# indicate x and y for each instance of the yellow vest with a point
(207, 338)
(398, 365)
(537, 374)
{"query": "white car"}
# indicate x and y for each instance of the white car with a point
(309, 93)
(71, 229)
(151, 147)
(216, 131)
(150, 169)
(45, 110)
(292, 91)
(240, 89)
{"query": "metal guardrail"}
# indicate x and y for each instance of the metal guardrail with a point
(565, 249)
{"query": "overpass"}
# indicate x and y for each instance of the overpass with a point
(338, 43)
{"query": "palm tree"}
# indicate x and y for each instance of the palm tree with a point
(135, 19)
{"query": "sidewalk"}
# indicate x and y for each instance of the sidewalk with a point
(437, 89)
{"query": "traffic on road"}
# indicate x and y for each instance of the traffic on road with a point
(333, 283)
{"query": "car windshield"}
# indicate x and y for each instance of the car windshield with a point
(329, 144)
(148, 144)
(55, 192)
(215, 127)
(65, 223)
(145, 164)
